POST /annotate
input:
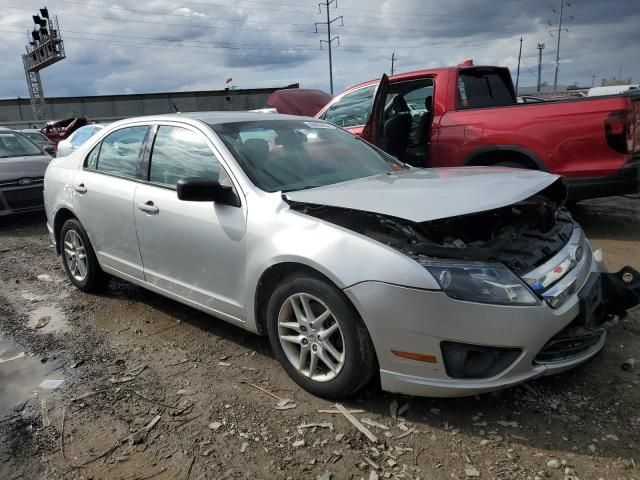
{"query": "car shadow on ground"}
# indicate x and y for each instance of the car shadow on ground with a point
(22, 225)
(615, 217)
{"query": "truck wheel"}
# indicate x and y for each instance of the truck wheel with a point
(512, 165)
(318, 337)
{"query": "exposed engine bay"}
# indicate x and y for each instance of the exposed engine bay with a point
(521, 236)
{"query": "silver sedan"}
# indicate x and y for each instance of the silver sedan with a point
(441, 282)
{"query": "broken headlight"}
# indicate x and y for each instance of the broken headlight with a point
(482, 283)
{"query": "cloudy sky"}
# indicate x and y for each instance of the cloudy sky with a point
(133, 46)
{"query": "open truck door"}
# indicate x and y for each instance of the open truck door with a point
(373, 129)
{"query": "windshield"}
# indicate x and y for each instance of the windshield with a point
(286, 155)
(15, 145)
(35, 136)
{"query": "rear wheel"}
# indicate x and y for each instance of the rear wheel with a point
(318, 337)
(512, 165)
(79, 259)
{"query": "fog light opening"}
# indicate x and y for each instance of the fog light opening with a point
(463, 360)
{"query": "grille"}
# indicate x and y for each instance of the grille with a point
(16, 182)
(569, 344)
(24, 198)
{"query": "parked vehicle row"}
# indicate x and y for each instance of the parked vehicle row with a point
(441, 282)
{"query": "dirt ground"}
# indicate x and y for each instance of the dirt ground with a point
(154, 389)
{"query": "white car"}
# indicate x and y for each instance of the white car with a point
(76, 139)
(612, 90)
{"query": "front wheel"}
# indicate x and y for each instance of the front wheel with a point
(318, 337)
(79, 259)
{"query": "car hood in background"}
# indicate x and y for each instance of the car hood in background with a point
(299, 101)
(15, 168)
(422, 195)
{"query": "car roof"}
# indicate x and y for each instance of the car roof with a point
(30, 130)
(213, 118)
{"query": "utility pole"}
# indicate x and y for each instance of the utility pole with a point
(518, 73)
(540, 48)
(329, 40)
(555, 79)
(393, 61)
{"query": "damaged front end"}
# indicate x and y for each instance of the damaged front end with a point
(520, 236)
(521, 254)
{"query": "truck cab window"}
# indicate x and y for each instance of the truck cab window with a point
(482, 89)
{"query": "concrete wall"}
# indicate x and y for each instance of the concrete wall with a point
(17, 113)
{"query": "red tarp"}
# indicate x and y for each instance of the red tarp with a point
(299, 101)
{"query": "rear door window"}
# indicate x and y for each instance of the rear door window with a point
(483, 89)
(120, 151)
(181, 153)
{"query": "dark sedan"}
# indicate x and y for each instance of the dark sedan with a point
(37, 137)
(22, 167)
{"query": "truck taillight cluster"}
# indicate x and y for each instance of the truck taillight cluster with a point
(618, 127)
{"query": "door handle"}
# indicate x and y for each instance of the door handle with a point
(147, 207)
(80, 188)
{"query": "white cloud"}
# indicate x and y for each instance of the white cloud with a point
(113, 48)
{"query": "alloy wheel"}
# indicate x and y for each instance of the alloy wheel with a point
(75, 255)
(311, 337)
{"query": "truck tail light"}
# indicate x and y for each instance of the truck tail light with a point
(617, 131)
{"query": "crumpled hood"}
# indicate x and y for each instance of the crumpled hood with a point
(15, 168)
(422, 195)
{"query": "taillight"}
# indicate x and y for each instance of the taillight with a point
(616, 127)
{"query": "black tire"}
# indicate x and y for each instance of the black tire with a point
(95, 279)
(359, 357)
(512, 165)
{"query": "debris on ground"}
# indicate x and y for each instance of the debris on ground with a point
(628, 364)
(367, 433)
(42, 322)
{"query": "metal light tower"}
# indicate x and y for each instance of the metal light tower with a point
(45, 48)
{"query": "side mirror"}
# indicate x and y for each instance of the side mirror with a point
(204, 189)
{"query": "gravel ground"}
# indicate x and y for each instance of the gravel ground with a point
(154, 389)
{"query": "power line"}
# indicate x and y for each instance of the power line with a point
(253, 46)
(132, 20)
(174, 14)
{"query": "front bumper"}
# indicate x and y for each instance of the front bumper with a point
(17, 199)
(404, 319)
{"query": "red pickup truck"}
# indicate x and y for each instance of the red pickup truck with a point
(469, 115)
